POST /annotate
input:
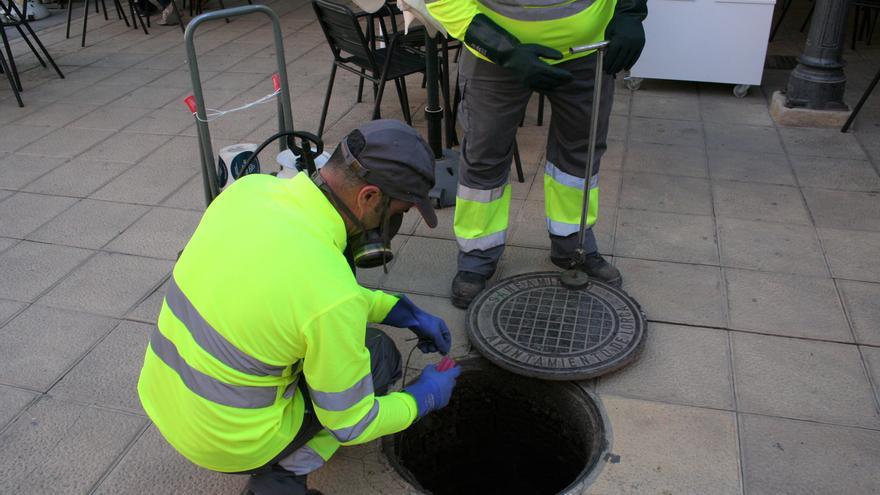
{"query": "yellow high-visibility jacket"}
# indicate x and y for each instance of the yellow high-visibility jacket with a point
(558, 25)
(261, 297)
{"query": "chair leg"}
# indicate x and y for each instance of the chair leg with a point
(872, 27)
(360, 97)
(85, 23)
(223, 7)
(30, 45)
(540, 109)
(42, 48)
(136, 17)
(855, 33)
(10, 77)
(405, 98)
(69, 14)
(120, 12)
(809, 16)
(179, 17)
(403, 107)
(104, 5)
(327, 100)
(518, 162)
(858, 107)
(10, 69)
(377, 114)
(785, 5)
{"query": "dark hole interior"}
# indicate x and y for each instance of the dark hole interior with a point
(502, 433)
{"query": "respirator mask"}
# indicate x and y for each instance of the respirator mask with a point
(368, 248)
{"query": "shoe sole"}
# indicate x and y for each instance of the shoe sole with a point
(461, 303)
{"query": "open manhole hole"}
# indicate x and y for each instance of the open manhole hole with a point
(504, 433)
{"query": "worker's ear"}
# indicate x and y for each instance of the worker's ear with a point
(369, 198)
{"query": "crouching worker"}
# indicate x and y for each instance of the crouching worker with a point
(262, 362)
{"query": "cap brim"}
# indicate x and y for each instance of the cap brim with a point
(427, 210)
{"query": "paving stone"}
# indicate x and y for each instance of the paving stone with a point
(150, 454)
(664, 131)
(844, 209)
(66, 142)
(41, 343)
(28, 268)
(802, 379)
(151, 97)
(77, 177)
(148, 310)
(108, 374)
(56, 114)
(666, 193)
(125, 147)
(736, 137)
(133, 78)
(871, 356)
(165, 121)
(752, 201)
(58, 446)
(109, 118)
(25, 212)
(14, 137)
(771, 247)
(12, 401)
(850, 175)
(101, 94)
(730, 111)
(189, 197)
(676, 293)
(12, 113)
(108, 284)
(161, 233)
(158, 176)
(424, 266)
(529, 228)
(703, 379)
(790, 305)
(183, 80)
(518, 260)
(666, 236)
(750, 166)
(445, 219)
(704, 442)
(782, 456)
(852, 254)
(9, 309)
(89, 224)
(860, 300)
(821, 142)
(665, 159)
(665, 107)
(18, 170)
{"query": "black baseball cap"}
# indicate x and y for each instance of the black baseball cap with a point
(395, 158)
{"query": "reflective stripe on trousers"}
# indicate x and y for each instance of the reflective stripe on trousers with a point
(563, 201)
(481, 217)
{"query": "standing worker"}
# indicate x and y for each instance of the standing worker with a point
(262, 362)
(517, 47)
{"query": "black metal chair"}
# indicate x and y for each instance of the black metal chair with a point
(353, 52)
(864, 20)
(17, 18)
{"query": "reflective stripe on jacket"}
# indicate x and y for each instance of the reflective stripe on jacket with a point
(261, 295)
(558, 25)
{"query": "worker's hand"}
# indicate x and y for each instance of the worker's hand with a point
(433, 388)
(627, 39)
(536, 74)
(432, 331)
(496, 44)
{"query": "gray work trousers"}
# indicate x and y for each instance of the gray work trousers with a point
(492, 106)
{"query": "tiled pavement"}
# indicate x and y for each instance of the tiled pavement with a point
(753, 249)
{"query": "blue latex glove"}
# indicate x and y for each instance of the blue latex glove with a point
(433, 389)
(432, 331)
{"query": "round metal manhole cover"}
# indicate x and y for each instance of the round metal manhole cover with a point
(532, 325)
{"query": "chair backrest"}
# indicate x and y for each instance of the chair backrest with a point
(344, 34)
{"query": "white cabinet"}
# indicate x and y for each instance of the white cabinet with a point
(723, 41)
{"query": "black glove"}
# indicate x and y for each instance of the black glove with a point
(501, 47)
(626, 35)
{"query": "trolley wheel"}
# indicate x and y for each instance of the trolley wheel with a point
(633, 83)
(741, 90)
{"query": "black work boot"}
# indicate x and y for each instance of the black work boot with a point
(465, 287)
(595, 266)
